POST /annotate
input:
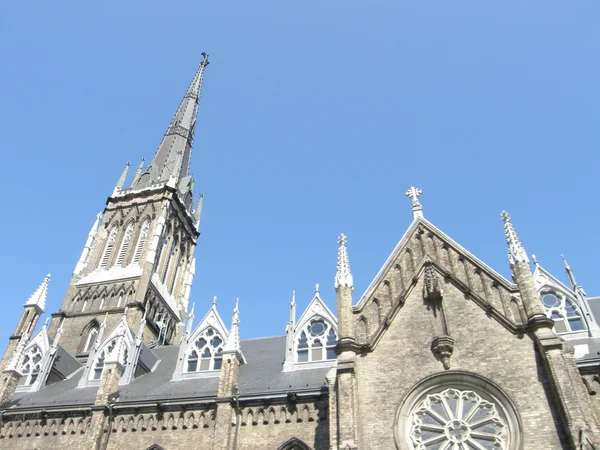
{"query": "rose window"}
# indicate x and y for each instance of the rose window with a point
(457, 420)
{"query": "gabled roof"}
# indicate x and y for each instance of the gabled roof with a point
(316, 307)
(211, 319)
(412, 229)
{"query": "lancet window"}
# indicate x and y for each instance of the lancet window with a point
(98, 364)
(91, 340)
(125, 244)
(316, 341)
(110, 243)
(31, 365)
(566, 315)
(139, 248)
(206, 352)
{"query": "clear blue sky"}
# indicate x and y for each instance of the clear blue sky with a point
(315, 119)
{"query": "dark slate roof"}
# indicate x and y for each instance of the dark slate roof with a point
(64, 362)
(261, 375)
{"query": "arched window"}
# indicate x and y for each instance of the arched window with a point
(206, 352)
(98, 364)
(566, 315)
(110, 243)
(316, 341)
(457, 409)
(91, 340)
(31, 365)
(169, 262)
(139, 248)
(294, 444)
(125, 244)
(179, 268)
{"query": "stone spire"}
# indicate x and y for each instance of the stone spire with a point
(138, 172)
(190, 320)
(38, 299)
(233, 339)
(516, 252)
(343, 276)
(121, 180)
(15, 361)
(293, 308)
(198, 210)
(88, 245)
(413, 193)
(570, 274)
(172, 158)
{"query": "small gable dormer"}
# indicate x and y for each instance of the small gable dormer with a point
(122, 346)
(572, 317)
(312, 339)
(201, 351)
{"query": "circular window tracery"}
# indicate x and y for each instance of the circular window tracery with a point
(457, 410)
(455, 419)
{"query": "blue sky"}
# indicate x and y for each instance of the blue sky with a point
(315, 119)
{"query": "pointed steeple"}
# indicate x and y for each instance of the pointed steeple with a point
(293, 308)
(172, 158)
(38, 298)
(121, 180)
(516, 252)
(233, 338)
(570, 274)
(190, 320)
(138, 172)
(198, 210)
(343, 276)
(88, 245)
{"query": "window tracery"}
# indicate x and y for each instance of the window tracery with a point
(459, 420)
(563, 311)
(316, 341)
(31, 365)
(206, 352)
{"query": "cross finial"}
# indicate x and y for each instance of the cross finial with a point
(205, 61)
(414, 193)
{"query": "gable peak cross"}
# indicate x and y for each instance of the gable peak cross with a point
(414, 193)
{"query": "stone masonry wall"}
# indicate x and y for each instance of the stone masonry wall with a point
(403, 357)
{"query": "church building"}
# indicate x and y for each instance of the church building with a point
(440, 353)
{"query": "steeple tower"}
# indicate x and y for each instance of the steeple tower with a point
(171, 160)
(139, 259)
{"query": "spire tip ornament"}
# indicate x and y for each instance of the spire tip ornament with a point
(516, 252)
(414, 193)
(343, 275)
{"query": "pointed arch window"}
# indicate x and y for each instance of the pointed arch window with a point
(139, 248)
(91, 340)
(316, 341)
(110, 243)
(125, 244)
(206, 353)
(31, 365)
(170, 259)
(565, 313)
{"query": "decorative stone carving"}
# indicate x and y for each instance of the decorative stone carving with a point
(432, 286)
(443, 347)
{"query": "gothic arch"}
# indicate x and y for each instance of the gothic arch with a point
(294, 444)
(155, 447)
(92, 326)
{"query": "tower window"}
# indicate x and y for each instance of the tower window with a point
(139, 248)
(91, 340)
(110, 243)
(125, 245)
(206, 352)
(316, 341)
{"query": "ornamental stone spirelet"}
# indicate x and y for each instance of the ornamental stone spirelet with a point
(516, 252)
(343, 276)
